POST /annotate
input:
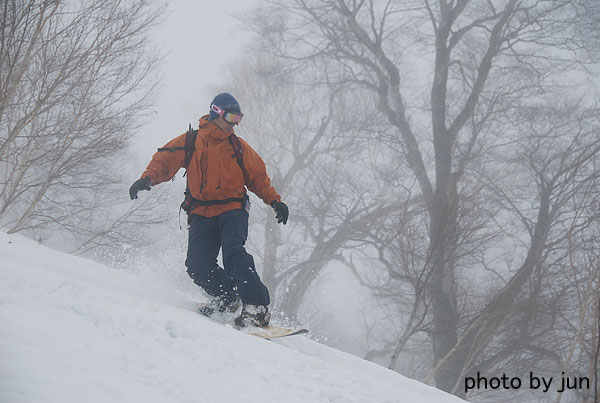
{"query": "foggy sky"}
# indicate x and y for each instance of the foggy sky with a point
(199, 38)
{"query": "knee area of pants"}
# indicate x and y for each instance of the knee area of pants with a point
(230, 251)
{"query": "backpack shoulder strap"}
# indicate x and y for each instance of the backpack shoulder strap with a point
(190, 145)
(238, 153)
(237, 149)
(189, 148)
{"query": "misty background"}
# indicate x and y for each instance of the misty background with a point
(440, 160)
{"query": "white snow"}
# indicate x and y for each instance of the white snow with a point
(72, 330)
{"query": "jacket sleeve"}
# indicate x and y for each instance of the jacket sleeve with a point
(258, 179)
(165, 164)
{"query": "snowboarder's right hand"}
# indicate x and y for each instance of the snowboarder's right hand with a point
(140, 184)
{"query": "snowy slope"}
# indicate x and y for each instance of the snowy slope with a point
(72, 330)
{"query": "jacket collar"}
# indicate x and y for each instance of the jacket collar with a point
(210, 131)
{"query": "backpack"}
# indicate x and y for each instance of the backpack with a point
(189, 202)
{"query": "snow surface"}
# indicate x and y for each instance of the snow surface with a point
(72, 330)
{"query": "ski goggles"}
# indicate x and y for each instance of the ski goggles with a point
(230, 117)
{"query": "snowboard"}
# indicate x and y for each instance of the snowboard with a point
(269, 332)
(273, 332)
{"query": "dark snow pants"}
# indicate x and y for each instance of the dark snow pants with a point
(228, 231)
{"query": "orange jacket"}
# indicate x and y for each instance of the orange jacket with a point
(213, 172)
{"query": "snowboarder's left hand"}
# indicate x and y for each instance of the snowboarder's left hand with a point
(281, 212)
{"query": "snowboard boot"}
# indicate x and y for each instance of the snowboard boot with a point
(218, 305)
(253, 315)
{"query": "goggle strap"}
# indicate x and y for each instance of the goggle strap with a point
(217, 110)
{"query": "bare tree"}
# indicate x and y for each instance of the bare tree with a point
(75, 77)
(579, 329)
(306, 136)
(479, 60)
(556, 154)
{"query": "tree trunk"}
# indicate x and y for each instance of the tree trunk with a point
(269, 269)
(442, 288)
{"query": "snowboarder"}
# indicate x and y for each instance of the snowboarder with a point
(218, 171)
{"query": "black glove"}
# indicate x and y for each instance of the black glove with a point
(140, 184)
(281, 212)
